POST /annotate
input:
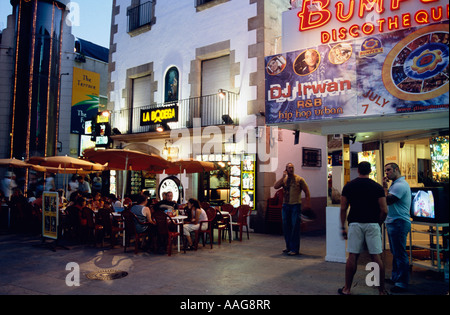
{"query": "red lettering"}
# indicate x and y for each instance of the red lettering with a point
(421, 17)
(368, 28)
(314, 19)
(352, 32)
(275, 92)
(395, 4)
(325, 37)
(380, 25)
(368, 5)
(340, 11)
(342, 33)
(406, 20)
(436, 13)
(393, 23)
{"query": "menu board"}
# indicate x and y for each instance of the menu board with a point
(50, 215)
(136, 182)
(235, 181)
(248, 180)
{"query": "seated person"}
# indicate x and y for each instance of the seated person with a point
(167, 204)
(144, 221)
(197, 215)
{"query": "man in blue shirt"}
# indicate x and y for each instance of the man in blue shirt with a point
(398, 224)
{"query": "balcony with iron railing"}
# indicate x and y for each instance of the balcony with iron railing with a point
(213, 110)
(140, 16)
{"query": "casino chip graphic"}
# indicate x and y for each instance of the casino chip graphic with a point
(417, 68)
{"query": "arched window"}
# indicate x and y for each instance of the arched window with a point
(171, 85)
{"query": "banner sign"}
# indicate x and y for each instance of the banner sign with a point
(390, 73)
(50, 215)
(85, 98)
(159, 115)
(326, 22)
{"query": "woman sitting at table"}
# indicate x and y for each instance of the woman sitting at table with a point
(144, 222)
(197, 215)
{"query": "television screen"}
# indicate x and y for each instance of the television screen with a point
(429, 204)
(423, 204)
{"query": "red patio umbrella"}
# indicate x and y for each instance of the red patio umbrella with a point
(126, 160)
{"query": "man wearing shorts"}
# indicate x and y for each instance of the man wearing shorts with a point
(368, 210)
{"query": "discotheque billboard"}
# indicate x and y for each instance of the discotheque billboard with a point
(374, 74)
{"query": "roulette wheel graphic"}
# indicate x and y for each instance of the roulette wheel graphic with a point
(417, 68)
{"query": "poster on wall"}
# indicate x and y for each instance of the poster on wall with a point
(248, 177)
(85, 98)
(50, 215)
(384, 74)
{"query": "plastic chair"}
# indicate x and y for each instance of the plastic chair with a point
(130, 231)
(206, 227)
(205, 205)
(90, 230)
(273, 210)
(222, 223)
(105, 219)
(244, 212)
(166, 236)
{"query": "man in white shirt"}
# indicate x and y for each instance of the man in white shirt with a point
(9, 183)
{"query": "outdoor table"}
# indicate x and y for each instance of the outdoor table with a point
(179, 220)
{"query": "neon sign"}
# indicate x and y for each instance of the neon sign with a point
(366, 17)
(159, 115)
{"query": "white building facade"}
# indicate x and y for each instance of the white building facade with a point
(172, 61)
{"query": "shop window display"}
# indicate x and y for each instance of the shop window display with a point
(233, 182)
(439, 158)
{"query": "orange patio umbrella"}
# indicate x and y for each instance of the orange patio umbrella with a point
(65, 165)
(15, 163)
(189, 166)
(65, 162)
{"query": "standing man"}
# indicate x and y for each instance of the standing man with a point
(293, 186)
(368, 210)
(398, 224)
(9, 183)
(83, 186)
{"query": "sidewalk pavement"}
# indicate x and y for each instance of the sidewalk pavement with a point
(252, 267)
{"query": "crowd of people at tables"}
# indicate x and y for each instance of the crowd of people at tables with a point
(83, 212)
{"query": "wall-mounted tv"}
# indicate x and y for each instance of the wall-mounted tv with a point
(429, 204)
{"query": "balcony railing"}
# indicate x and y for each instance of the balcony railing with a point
(140, 16)
(210, 108)
(200, 2)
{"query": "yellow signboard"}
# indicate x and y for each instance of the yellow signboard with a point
(85, 98)
(50, 215)
(159, 115)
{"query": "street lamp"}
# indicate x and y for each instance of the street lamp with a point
(222, 93)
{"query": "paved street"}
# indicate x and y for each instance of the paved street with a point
(251, 267)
